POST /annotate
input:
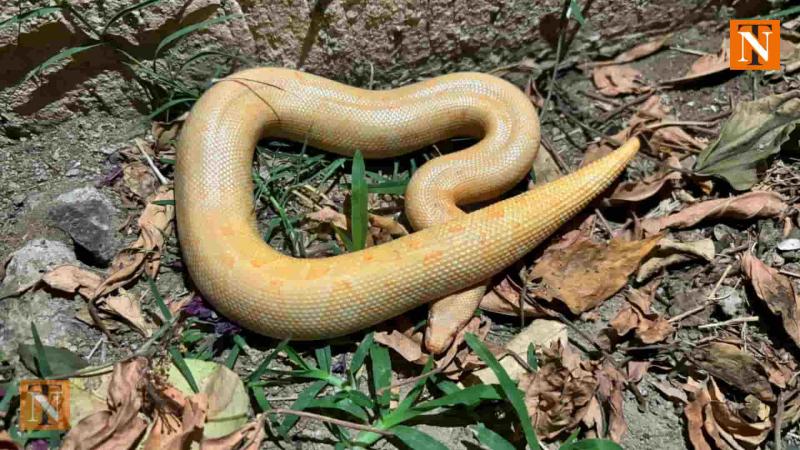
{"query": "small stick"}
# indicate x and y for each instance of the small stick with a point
(688, 51)
(161, 178)
(321, 418)
(779, 420)
(729, 322)
(710, 302)
(791, 274)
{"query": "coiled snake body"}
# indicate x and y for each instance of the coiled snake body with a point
(453, 253)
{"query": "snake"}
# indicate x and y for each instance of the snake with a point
(450, 255)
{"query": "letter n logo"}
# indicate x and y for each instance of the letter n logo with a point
(43, 405)
(755, 44)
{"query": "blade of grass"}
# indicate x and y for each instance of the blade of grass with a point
(324, 358)
(358, 203)
(264, 365)
(180, 363)
(156, 112)
(381, 375)
(416, 439)
(12, 390)
(162, 306)
(533, 361)
(68, 53)
(510, 391)
(41, 359)
(303, 401)
(492, 440)
(23, 16)
(174, 37)
(125, 11)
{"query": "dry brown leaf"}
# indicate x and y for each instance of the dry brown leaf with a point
(706, 65)
(139, 179)
(637, 316)
(561, 394)
(777, 291)
(586, 273)
(728, 363)
(72, 279)
(120, 425)
(144, 255)
(330, 216)
(128, 308)
(730, 422)
(406, 346)
(180, 422)
(385, 228)
(637, 370)
(505, 299)
(752, 205)
(615, 80)
(636, 191)
(668, 253)
(670, 392)
(6, 443)
(642, 50)
(610, 386)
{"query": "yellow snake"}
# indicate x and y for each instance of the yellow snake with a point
(453, 253)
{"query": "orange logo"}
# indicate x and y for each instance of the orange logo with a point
(755, 44)
(43, 405)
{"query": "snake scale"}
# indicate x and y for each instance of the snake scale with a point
(452, 253)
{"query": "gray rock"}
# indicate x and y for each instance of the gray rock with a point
(731, 303)
(90, 219)
(26, 265)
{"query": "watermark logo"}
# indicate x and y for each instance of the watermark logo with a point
(43, 405)
(755, 44)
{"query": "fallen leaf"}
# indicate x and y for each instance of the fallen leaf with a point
(637, 191)
(139, 179)
(405, 346)
(642, 50)
(385, 228)
(668, 253)
(504, 299)
(615, 80)
(730, 364)
(6, 443)
(777, 291)
(706, 65)
(330, 216)
(144, 255)
(756, 131)
(670, 392)
(118, 426)
(249, 437)
(586, 273)
(637, 316)
(228, 404)
(637, 370)
(179, 422)
(610, 386)
(752, 205)
(72, 279)
(61, 360)
(128, 308)
(540, 333)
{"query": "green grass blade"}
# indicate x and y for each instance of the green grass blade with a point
(381, 375)
(415, 391)
(207, 53)
(469, 397)
(416, 439)
(174, 102)
(162, 306)
(238, 346)
(303, 401)
(533, 361)
(324, 358)
(23, 16)
(41, 359)
(12, 390)
(591, 444)
(261, 398)
(55, 59)
(183, 32)
(510, 391)
(264, 365)
(359, 221)
(361, 353)
(125, 11)
(492, 440)
(180, 363)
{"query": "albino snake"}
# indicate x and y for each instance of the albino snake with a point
(281, 296)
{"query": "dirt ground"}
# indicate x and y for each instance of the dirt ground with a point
(88, 150)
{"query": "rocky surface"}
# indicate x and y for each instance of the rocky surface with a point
(89, 218)
(26, 265)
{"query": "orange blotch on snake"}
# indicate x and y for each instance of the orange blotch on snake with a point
(343, 285)
(275, 284)
(257, 262)
(226, 230)
(455, 228)
(495, 213)
(227, 260)
(317, 272)
(432, 257)
(368, 257)
(414, 243)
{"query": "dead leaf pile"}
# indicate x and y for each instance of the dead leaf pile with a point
(636, 191)
(566, 392)
(586, 273)
(715, 423)
(727, 362)
(668, 253)
(705, 66)
(382, 228)
(617, 80)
